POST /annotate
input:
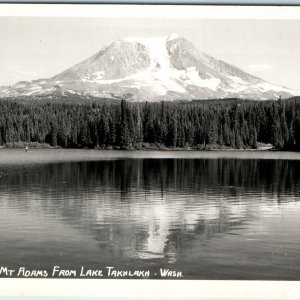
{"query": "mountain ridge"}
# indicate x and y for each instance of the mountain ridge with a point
(153, 69)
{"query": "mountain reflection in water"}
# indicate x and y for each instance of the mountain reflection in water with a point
(211, 218)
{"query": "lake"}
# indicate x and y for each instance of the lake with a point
(209, 215)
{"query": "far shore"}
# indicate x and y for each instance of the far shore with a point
(37, 156)
(140, 147)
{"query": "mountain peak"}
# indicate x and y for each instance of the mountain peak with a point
(162, 39)
(154, 68)
(173, 36)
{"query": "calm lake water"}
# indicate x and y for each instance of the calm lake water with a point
(211, 215)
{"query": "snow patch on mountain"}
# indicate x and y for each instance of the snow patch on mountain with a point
(94, 77)
(33, 90)
(191, 77)
(159, 57)
(266, 86)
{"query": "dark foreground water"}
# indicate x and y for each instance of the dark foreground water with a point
(206, 215)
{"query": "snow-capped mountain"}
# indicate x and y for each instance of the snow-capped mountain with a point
(152, 69)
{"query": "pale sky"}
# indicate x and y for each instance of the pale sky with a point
(35, 47)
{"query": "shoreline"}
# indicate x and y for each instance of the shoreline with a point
(141, 147)
(10, 157)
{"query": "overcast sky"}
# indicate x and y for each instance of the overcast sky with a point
(33, 47)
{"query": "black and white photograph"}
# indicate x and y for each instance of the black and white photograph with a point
(148, 146)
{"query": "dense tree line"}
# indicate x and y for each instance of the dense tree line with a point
(200, 125)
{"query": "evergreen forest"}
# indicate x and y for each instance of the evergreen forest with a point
(203, 125)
